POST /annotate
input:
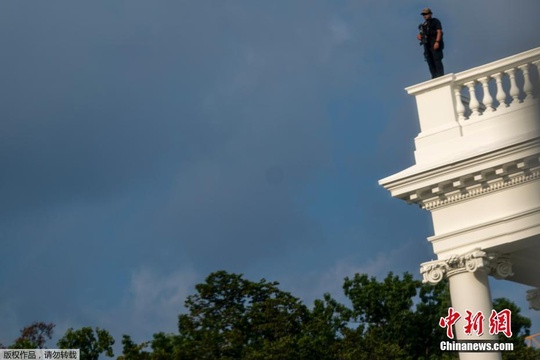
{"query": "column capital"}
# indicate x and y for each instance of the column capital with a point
(533, 297)
(477, 260)
(500, 266)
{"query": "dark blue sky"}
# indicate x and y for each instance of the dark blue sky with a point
(144, 144)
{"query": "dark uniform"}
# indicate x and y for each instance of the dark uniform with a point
(433, 57)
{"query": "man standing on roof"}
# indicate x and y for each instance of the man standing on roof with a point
(431, 36)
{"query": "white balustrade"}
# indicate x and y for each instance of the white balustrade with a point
(462, 112)
(509, 75)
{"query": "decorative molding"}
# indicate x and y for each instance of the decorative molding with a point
(477, 260)
(476, 184)
(533, 297)
(500, 266)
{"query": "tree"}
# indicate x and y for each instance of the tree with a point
(520, 326)
(162, 346)
(34, 336)
(133, 351)
(385, 311)
(322, 336)
(434, 303)
(91, 343)
(233, 318)
(230, 317)
(395, 318)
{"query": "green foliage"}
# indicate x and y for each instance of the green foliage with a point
(377, 304)
(233, 318)
(397, 318)
(385, 311)
(133, 351)
(520, 326)
(91, 343)
(427, 335)
(164, 346)
(230, 317)
(322, 335)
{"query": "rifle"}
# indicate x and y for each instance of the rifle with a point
(423, 35)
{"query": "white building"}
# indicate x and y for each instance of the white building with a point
(478, 173)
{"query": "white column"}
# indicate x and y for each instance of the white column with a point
(469, 290)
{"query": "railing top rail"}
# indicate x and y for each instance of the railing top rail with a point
(498, 66)
(476, 72)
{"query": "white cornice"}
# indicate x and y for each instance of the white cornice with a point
(477, 175)
(481, 186)
(525, 145)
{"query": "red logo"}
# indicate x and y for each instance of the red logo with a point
(499, 322)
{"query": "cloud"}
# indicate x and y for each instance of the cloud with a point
(155, 300)
(330, 279)
(155, 294)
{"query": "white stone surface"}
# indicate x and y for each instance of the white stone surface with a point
(456, 113)
(478, 172)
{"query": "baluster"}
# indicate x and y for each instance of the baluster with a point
(527, 85)
(474, 104)
(537, 64)
(460, 108)
(501, 95)
(535, 90)
(514, 90)
(488, 99)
